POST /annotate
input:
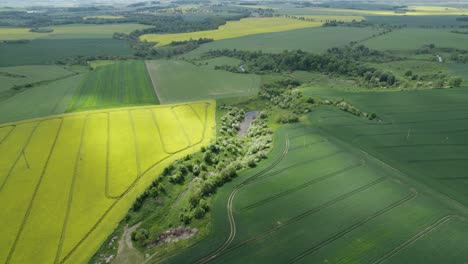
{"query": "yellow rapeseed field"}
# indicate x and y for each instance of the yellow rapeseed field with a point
(67, 180)
(234, 29)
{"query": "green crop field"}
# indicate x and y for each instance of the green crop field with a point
(423, 133)
(233, 29)
(67, 180)
(414, 38)
(70, 31)
(49, 51)
(21, 75)
(43, 100)
(315, 40)
(177, 81)
(320, 200)
(122, 84)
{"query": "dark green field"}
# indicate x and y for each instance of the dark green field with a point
(423, 133)
(415, 38)
(49, 51)
(121, 84)
(321, 200)
(43, 100)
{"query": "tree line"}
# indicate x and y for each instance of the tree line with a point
(348, 61)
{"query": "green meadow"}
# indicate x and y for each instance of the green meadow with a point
(177, 81)
(121, 84)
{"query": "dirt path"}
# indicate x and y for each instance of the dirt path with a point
(152, 67)
(126, 253)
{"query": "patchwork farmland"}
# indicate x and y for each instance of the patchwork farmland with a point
(249, 132)
(94, 162)
(244, 27)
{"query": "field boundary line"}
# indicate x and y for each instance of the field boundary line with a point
(427, 230)
(231, 218)
(95, 226)
(306, 213)
(153, 82)
(352, 227)
(71, 191)
(304, 185)
(36, 189)
(22, 152)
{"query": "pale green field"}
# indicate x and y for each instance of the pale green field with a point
(180, 81)
(70, 31)
(234, 29)
(86, 170)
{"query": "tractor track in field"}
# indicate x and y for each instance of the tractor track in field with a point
(71, 191)
(304, 214)
(274, 173)
(26, 144)
(304, 185)
(36, 190)
(184, 131)
(231, 219)
(99, 221)
(13, 127)
(139, 173)
(418, 236)
(352, 227)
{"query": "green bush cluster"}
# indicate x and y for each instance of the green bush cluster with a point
(348, 107)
